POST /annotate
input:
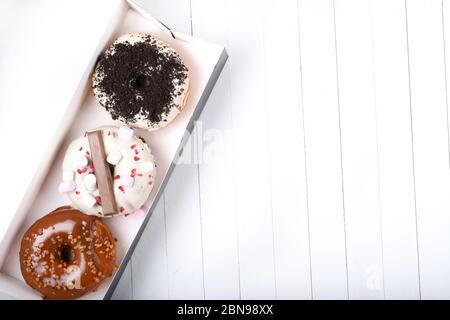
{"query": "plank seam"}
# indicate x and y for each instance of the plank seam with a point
(200, 209)
(195, 136)
(304, 153)
(165, 240)
(340, 149)
(377, 147)
(131, 279)
(445, 78)
(412, 148)
(233, 134)
(268, 152)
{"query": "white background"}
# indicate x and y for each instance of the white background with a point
(320, 167)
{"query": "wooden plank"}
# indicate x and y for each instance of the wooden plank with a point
(400, 258)
(446, 31)
(124, 289)
(149, 262)
(323, 151)
(252, 169)
(430, 139)
(184, 234)
(182, 208)
(284, 135)
(359, 149)
(216, 155)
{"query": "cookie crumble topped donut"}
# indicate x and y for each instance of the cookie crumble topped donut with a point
(141, 81)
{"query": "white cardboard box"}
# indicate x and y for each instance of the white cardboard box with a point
(39, 195)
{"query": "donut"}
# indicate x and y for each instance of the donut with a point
(141, 81)
(126, 163)
(66, 254)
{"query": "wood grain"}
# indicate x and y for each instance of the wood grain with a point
(322, 156)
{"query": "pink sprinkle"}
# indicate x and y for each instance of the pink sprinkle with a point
(121, 189)
(77, 192)
(81, 148)
(117, 177)
(88, 153)
(80, 171)
(137, 158)
(121, 209)
(133, 173)
(135, 151)
(133, 146)
(98, 200)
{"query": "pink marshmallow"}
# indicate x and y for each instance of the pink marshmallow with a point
(81, 161)
(67, 186)
(125, 133)
(126, 181)
(141, 212)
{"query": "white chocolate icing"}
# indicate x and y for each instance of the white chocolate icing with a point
(140, 120)
(129, 197)
(68, 175)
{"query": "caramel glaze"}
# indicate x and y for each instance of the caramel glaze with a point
(66, 254)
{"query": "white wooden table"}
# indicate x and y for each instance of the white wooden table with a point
(320, 167)
(330, 174)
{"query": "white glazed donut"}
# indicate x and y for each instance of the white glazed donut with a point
(141, 81)
(132, 166)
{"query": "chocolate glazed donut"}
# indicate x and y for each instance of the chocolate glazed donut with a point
(66, 254)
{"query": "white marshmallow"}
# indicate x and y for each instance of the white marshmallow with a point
(125, 133)
(81, 161)
(68, 175)
(147, 166)
(67, 186)
(89, 200)
(90, 182)
(114, 157)
(126, 181)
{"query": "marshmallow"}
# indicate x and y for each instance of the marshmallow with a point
(68, 175)
(147, 166)
(125, 133)
(90, 182)
(114, 157)
(67, 186)
(141, 212)
(81, 161)
(126, 181)
(89, 200)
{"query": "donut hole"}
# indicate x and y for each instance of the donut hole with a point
(141, 81)
(66, 253)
